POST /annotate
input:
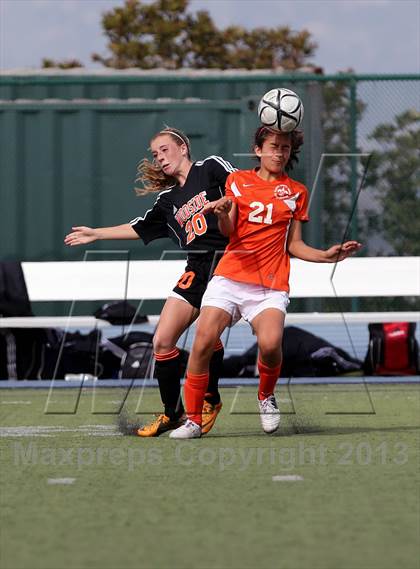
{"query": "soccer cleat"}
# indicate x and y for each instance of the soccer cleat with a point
(209, 416)
(160, 425)
(269, 414)
(189, 430)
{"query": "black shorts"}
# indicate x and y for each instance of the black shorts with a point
(198, 271)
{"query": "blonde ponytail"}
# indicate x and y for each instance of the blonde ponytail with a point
(151, 178)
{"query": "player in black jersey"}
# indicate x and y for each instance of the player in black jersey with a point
(184, 188)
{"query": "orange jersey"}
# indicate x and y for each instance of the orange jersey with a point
(256, 252)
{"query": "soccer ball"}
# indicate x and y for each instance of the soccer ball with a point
(281, 109)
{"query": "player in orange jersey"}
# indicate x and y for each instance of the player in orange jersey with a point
(261, 214)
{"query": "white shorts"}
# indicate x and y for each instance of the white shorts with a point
(243, 299)
(174, 294)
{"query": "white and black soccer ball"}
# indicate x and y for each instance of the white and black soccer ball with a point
(281, 109)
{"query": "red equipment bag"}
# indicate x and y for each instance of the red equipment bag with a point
(392, 350)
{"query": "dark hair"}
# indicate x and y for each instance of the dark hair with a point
(296, 139)
(150, 175)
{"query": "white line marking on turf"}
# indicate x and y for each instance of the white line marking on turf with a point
(50, 431)
(286, 478)
(16, 402)
(61, 480)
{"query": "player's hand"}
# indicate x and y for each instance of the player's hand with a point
(223, 206)
(80, 236)
(218, 207)
(209, 207)
(339, 252)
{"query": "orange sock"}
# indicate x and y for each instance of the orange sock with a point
(268, 379)
(218, 345)
(168, 356)
(194, 391)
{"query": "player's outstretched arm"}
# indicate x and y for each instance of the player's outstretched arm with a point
(298, 248)
(81, 235)
(225, 210)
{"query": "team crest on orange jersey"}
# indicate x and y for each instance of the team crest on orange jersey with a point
(282, 192)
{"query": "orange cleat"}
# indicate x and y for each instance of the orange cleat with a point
(209, 416)
(160, 425)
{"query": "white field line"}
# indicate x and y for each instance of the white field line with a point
(61, 480)
(50, 431)
(16, 402)
(286, 478)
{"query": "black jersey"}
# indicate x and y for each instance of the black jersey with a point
(176, 212)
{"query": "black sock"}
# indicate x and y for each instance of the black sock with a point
(215, 371)
(168, 374)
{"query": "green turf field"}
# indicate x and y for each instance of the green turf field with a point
(76, 494)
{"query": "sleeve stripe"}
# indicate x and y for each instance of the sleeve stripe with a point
(164, 192)
(174, 232)
(226, 165)
(136, 219)
(235, 190)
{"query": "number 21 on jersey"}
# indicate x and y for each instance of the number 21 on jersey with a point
(261, 213)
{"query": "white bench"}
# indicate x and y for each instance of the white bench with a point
(148, 280)
(105, 280)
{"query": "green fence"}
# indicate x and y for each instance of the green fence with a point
(72, 163)
(205, 84)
